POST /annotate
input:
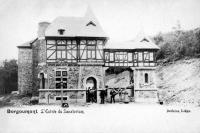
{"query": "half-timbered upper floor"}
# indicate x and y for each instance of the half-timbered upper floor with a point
(77, 40)
(135, 53)
(93, 50)
(75, 50)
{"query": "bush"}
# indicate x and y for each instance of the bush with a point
(34, 100)
(178, 44)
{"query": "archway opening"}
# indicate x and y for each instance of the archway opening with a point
(91, 90)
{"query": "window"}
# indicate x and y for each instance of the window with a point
(59, 98)
(61, 31)
(146, 78)
(61, 42)
(111, 56)
(117, 56)
(61, 79)
(144, 39)
(51, 42)
(83, 51)
(106, 56)
(146, 56)
(121, 57)
(61, 54)
(151, 56)
(130, 57)
(140, 56)
(91, 52)
(91, 42)
(99, 42)
(135, 57)
(42, 80)
(64, 73)
(72, 52)
(83, 42)
(58, 73)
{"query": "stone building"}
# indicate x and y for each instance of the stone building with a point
(70, 56)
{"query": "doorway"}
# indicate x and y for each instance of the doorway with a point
(91, 90)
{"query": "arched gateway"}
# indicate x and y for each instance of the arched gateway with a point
(91, 90)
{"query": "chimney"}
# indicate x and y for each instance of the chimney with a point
(42, 26)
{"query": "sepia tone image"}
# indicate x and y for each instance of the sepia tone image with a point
(100, 66)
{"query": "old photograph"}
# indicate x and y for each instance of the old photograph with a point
(100, 66)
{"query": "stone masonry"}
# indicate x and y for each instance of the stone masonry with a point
(25, 73)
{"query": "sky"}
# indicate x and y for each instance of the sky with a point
(121, 19)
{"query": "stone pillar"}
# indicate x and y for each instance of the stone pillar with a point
(104, 75)
(145, 90)
(135, 80)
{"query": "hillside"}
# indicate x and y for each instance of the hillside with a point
(118, 80)
(179, 82)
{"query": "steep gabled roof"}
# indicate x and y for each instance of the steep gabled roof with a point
(87, 26)
(140, 42)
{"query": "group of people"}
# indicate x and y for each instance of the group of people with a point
(113, 93)
(92, 97)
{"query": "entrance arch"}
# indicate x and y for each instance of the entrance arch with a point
(91, 89)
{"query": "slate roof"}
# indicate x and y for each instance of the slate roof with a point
(141, 42)
(76, 26)
(27, 44)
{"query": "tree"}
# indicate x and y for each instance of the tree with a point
(197, 35)
(158, 38)
(8, 76)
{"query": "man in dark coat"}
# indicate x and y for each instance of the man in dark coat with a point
(92, 95)
(112, 95)
(102, 96)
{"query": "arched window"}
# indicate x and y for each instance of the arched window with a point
(146, 78)
(42, 79)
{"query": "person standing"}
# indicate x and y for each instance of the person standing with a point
(102, 96)
(92, 95)
(112, 95)
(120, 94)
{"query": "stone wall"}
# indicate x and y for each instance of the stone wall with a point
(146, 94)
(96, 72)
(145, 90)
(30, 61)
(72, 75)
(139, 79)
(25, 74)
(76, 85)
(72, 96)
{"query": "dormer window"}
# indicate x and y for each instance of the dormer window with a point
(91, 23)
(144, 39)
(61, 31)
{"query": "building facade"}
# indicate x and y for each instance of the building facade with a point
(71, 55)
